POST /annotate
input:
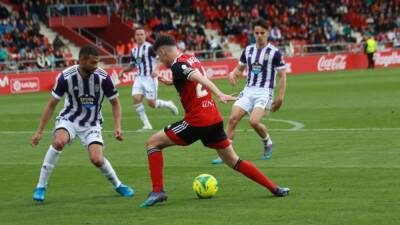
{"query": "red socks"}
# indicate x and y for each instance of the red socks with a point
(252, 172)
(155, 158)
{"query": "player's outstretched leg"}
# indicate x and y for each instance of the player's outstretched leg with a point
(154, 145)
(166, 104)
(235, 117)
(97, 158)
(61, 138)
(48, 165)
(246, 168)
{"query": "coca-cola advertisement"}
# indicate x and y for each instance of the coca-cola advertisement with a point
(328, 63)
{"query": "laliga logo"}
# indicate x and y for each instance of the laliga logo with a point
(218, 71)
(387, 60)
(336, 63)
(22, 85)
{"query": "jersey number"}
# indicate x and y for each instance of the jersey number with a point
(200, 92)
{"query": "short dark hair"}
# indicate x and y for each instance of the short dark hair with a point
(88, 50)
(261, 23)
(163, 40)
(139, 28)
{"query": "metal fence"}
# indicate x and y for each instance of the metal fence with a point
(40, 64)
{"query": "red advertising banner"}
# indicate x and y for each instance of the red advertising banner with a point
(44, 81)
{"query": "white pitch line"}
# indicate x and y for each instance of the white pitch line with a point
(243, 130)
(296, 125)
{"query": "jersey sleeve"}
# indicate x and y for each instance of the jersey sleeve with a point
(109, 89)
(242, 60)
(60, 87)
(181, 70)
(133, 60)
(152, 53)
(278, 61)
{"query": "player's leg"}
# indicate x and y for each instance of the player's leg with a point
(154, 146)
(151, 96)
(94, 141)
(178, 133)
(236, 115)
(262, 104)
(137, 96)
(61, 138)
(229, 156)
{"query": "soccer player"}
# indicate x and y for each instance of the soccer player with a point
(202, 121)
(263, 61)
(146, 84)
(85, 86)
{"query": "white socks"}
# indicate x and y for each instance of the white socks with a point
(162, 104)
(107, 170)
(49, 163)
(167, 104)
(142, 114)
(267, 141)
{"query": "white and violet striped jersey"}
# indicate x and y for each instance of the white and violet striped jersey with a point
(262, 65)
(144, 58)
(84, 97)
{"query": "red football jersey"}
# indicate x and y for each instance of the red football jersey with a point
(200, 108)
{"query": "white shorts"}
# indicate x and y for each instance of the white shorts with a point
(252, 97)
(86, 134)
(146, 86)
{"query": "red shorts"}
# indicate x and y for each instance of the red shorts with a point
(212, 136)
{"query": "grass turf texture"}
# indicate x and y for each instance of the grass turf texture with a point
(342, 167)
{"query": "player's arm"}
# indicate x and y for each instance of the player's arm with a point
(282, 89)
(280, 66)
(238, 71)
(129, 67)
(156, 68)
(46, 116)
(58, 91)
(196, 76)
(126, 69)
(112, 94)
(117, 114)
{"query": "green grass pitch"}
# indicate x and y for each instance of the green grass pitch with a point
(343, 166)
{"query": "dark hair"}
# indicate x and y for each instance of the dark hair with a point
(139, 28)
(163, 40)
(261, 23)
(88, 50)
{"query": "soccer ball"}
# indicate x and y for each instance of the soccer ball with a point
(205, 186)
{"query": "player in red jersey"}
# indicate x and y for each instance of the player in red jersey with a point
(202, 121)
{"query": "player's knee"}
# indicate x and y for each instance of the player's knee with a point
(97, 161)
(152, 142)
(233, 120)
(254, 122)
(58, 144)
(152, 104)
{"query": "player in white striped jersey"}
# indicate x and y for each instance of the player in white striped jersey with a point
(145, 85)
(85, 86)
(263, 61)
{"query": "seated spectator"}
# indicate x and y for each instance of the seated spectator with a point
(3, 53)
(59, 59)
(58, 43)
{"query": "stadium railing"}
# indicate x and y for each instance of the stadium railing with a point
(97, 40)
(12, 66)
